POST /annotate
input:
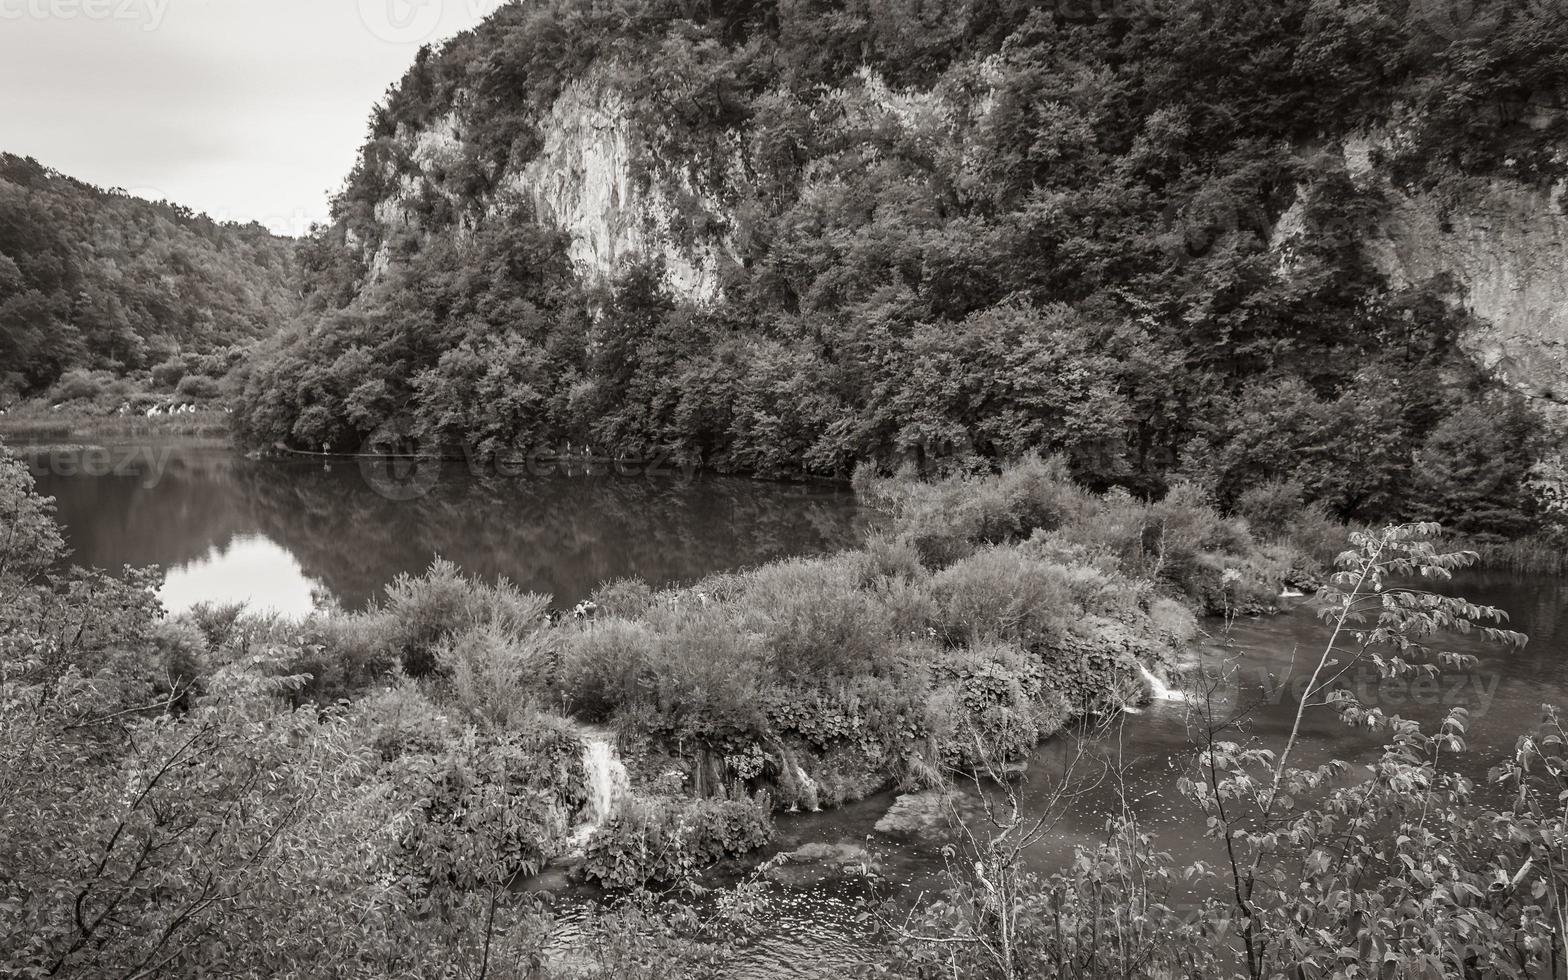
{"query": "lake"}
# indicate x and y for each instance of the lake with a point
(283, 534)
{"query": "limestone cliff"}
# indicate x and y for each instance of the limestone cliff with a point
(1505, 246)
(1501, 245)
(623, 188)
(594, 177)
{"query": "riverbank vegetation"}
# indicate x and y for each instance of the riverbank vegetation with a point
(71, 427)
(359, 794)
(1409, 869)
(366, 774)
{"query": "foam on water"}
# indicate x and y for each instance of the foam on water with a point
(1159, 689)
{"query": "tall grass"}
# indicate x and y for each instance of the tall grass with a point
(1541, 554)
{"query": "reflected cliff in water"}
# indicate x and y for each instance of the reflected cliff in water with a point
(271, 531)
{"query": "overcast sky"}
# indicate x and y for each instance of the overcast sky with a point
(245, 109)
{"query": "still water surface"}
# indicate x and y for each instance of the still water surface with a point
(281, 533)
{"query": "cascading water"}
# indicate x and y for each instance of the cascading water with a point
(607, 780)
(607, 784)
(808, 788)
(1160, 690)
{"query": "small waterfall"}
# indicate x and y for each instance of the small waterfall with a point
(1159, 689)
(808, 790)
(607, 785)
(607, 779)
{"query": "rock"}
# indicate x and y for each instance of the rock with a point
(916, 812)
(820, 853)
(1502, 242)
(811, 864)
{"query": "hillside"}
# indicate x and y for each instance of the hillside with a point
(1301, 249)
(99, 280)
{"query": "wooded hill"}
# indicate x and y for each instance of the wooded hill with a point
(97, 279)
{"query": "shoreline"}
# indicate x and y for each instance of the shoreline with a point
(30, 425)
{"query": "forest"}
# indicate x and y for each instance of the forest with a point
(1066, 240)
(111, 290)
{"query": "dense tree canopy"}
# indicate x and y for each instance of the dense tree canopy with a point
(954, 231)
(97, 279)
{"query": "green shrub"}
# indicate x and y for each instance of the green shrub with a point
(425, 612)
(606, 664)
(668, 839)
(1271, 508)
(883, 558)
(813, 618)
(171, 372)
(947, 520)
(79, 384)
(218, 622)
(489, 809)
(494, 678)
(341, 654)
(1001, 594)
(198, 388)
(623, 597)
(402, 721)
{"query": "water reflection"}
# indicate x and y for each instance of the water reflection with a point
(252, 569)
(228, 528)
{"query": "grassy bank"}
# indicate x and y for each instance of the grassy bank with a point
(31, 423)
(1542, 554)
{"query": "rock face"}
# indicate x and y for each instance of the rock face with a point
(915, 813)
(1506, 247)
(1503, 245)
(594, 177)
(594, 180)
(620, 186)
(812, 864)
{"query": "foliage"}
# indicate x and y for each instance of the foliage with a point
(947, 234)
(1182, 542)
(669, 840)
(1407, 871)
(95, 279)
